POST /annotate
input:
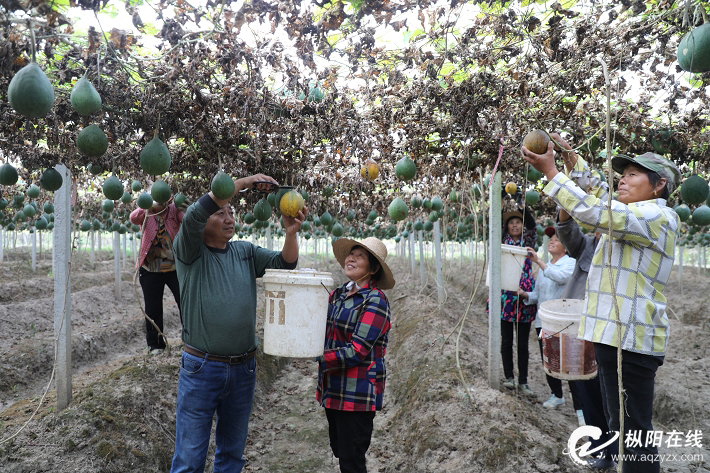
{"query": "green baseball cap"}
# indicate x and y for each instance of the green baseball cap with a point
(651, 161)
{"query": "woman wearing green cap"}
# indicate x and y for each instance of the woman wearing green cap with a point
(642, 244)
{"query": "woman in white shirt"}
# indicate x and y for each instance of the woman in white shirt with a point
(550, 282)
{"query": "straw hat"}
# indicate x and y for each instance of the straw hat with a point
(343, 246)
(508, 215)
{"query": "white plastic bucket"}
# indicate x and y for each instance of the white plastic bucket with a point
(512, 260)
(564, 355)
(296, 312)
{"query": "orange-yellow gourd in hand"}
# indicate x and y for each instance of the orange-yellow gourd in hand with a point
(291, 203)
(536, 141)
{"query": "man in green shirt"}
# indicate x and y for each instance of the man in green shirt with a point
(218, 303)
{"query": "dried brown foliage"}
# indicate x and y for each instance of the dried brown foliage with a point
(443, 99)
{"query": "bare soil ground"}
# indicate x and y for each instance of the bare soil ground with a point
(123, 409)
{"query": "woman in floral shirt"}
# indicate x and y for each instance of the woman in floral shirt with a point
(515, 315)
(156, 265)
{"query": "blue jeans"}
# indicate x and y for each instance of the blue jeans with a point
(206, 387)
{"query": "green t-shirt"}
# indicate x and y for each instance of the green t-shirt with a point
(218, 286)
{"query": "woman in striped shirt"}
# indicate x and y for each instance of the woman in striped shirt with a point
(642, 245)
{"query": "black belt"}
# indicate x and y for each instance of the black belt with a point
(232, 360)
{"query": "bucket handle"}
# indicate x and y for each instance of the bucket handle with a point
(324, 287)
(552, 335)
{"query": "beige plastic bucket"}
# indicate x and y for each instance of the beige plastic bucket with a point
(564, 355)
(296, 312)
(512, 260)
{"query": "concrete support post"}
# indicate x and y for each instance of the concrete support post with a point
(439, 275)
(411, 253)
(125, 251)
(704, 259)
(315, 253)
(494, 294)
(545, 251)
(93, 254)
(422, 272)
(2, 249)
(134, 255)
(61, 256)
(34, 250)
(680, 268)
(117, 265)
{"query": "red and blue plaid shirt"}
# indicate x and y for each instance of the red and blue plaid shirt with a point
(351, 371)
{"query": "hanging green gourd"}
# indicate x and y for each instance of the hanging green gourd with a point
(145, 201)
(84, 98)
(155, 157)
(8, 175)
(92, 141)
(694, 48)
(51, 180)
(161, 191)
(112, 188)
(262, 210)
(222, 185)
(30, 93)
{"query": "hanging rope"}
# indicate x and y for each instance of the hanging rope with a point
(616, 314)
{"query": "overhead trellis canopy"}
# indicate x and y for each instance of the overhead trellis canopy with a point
(317, 87)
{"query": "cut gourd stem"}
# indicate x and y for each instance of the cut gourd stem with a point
(157, 126)
(98, 66)
(30, 25)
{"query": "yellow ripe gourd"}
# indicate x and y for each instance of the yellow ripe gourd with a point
(370, 170)
(291, 203)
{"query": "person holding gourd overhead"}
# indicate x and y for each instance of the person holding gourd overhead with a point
(625, 306)
(351, 371)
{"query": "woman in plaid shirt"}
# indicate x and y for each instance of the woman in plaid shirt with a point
(642, 244)
(351, 371)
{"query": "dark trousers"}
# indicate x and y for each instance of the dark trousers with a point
(638, 372)
(153, 285)
(350, 434)
(506, 349)
(575, 388)
(590, 396)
